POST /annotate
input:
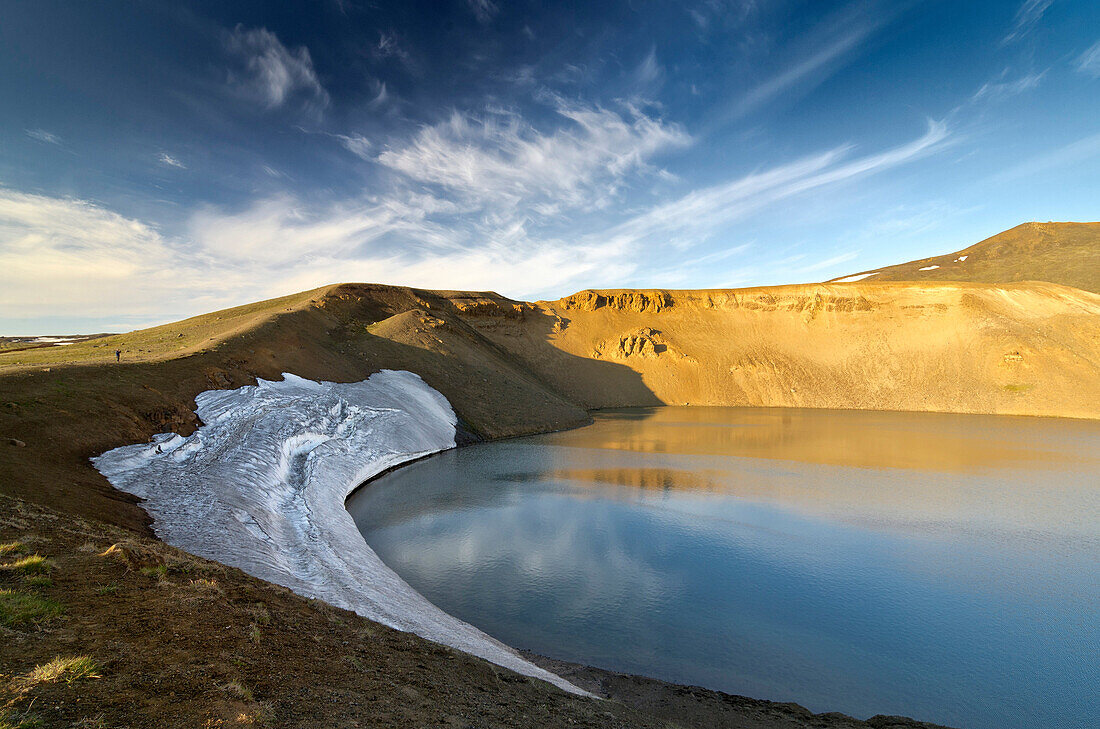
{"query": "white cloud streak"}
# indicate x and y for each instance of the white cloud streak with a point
(501, 161)
(804, 69)
(271, 74)
(43, 136)
(1002, 89)
(1075, 153)
(483, 10)
(1089, 62)
(169, 161)
(357, 144)
(707, 209)
(1027, 17)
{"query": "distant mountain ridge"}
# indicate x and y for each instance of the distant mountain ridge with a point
(1061, 253)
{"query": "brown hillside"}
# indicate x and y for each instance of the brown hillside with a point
(1062, 253)
(510, 367)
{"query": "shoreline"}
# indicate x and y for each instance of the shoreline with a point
(702, 708)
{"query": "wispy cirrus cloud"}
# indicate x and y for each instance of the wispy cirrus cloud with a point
(271, 74)
(1089, 61)
(691, 216)
(390, 46)
(812, 59)
(169, 161)
(43, 136)
(1002, 88)
(357, 144)
(828, 262)
(500, 159)
(483, 10)
(418, 232)
(649, 71)
(1075, 153)
(1027, 17)
(802, 70)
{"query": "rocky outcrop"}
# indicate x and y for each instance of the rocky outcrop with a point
(493, 308)
(643, 343)
(633, 301)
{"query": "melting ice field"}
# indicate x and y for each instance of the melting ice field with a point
(261, 486)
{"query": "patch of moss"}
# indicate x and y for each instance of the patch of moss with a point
(160, 571)
(34, 564)
(24, 608)
(11, 548)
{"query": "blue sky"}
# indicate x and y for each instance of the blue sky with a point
(161, 159)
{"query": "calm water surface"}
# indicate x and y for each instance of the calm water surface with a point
(946, 567)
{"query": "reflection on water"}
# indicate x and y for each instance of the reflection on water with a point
(941, 566)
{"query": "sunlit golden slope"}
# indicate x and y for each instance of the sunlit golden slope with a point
(1027, 349)
(1063, 253)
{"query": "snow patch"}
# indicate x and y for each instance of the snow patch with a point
(857, 277)
(960, 259)
(261, 486)
(928, 268)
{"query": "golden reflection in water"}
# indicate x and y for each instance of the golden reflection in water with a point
(862, 439)
(934, 471)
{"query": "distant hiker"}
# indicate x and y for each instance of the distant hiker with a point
(118, 355)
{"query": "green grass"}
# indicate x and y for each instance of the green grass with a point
(34, 564)
(108, 589)
(160, 571)
(12, 548)
(67, 669)
(37, 581)
(23, 608)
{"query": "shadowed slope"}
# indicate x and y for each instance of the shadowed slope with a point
(66, 412)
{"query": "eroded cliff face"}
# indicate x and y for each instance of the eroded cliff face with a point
(635, 301)
(1027, 349)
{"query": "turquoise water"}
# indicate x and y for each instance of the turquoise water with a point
(944, 567)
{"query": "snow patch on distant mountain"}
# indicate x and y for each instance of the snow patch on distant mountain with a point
(261, 486)
(857, 277)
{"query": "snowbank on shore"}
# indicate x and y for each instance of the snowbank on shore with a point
(261, 486)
